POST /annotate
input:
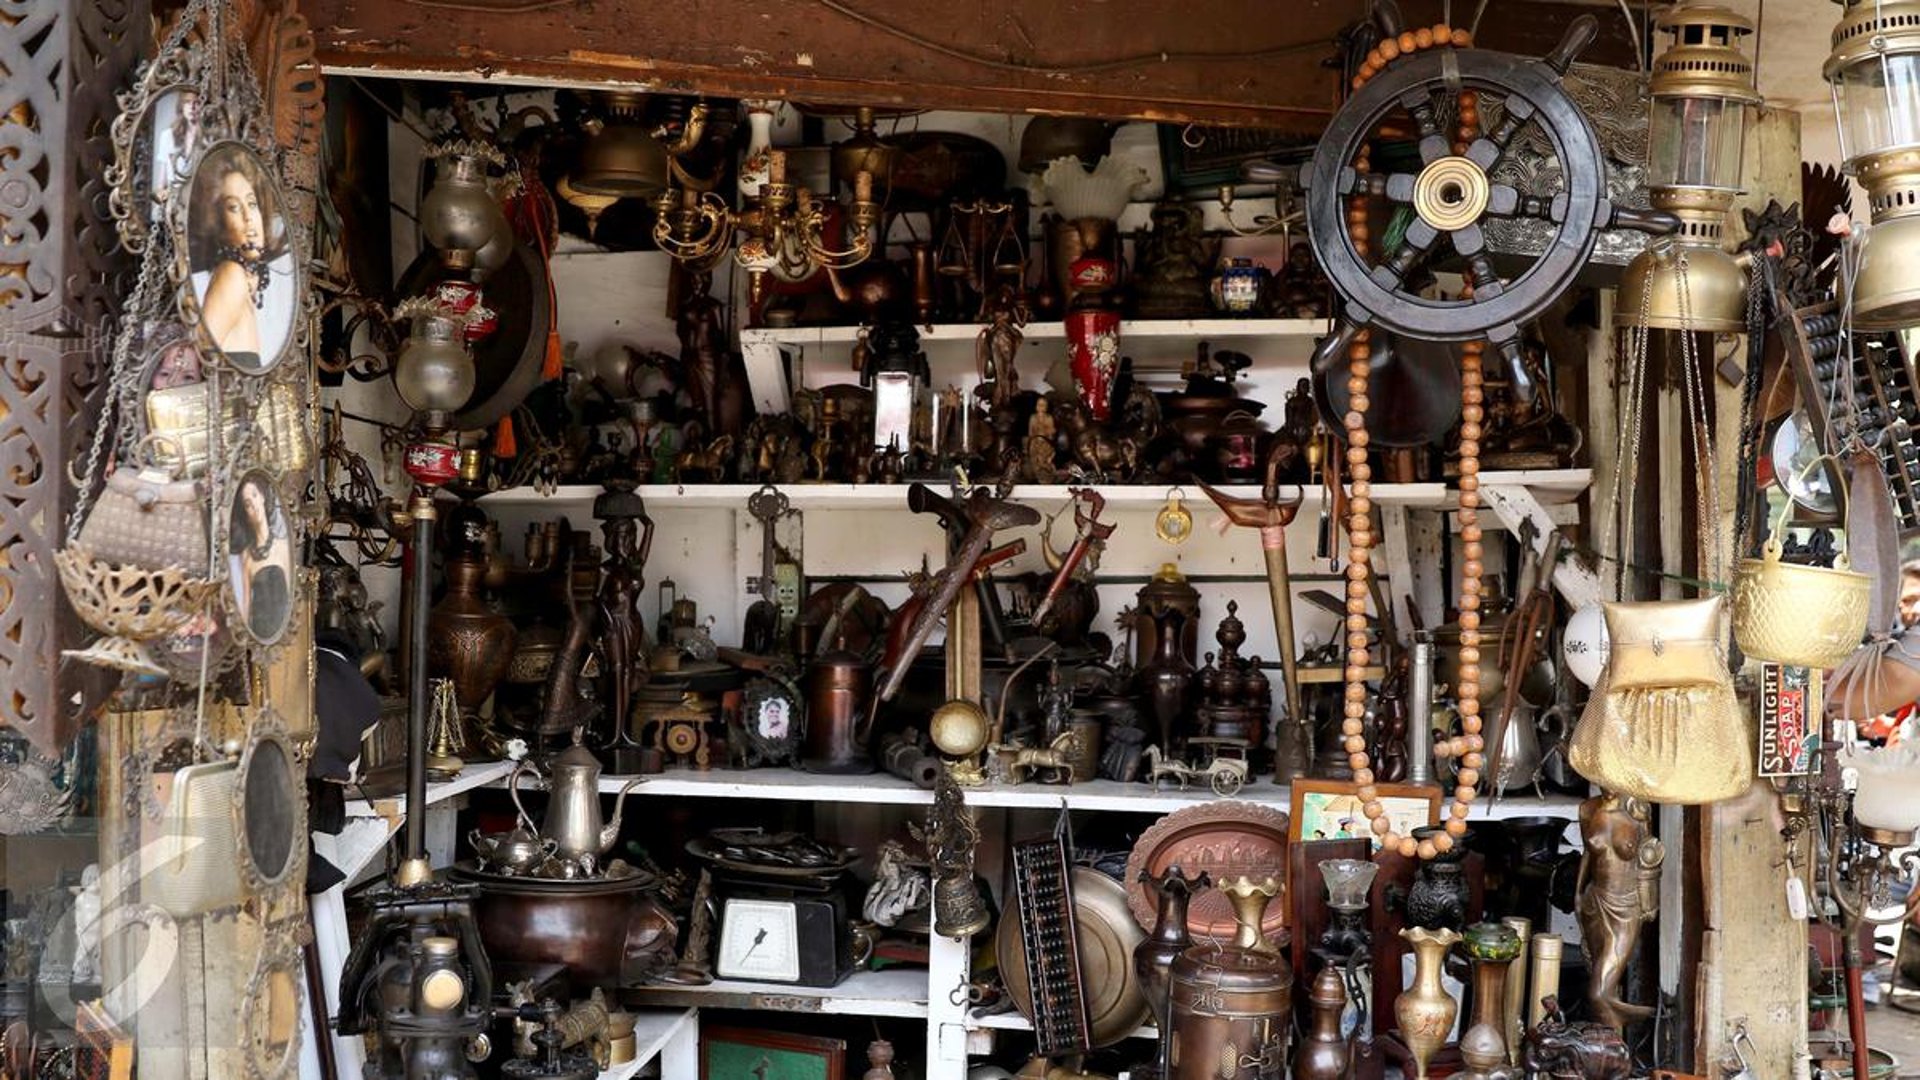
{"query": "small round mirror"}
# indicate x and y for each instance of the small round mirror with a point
(270, 1016)
(271, 813)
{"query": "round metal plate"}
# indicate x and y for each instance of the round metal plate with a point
(1107, 935)
(1226, 839)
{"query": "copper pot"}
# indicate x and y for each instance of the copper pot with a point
(839, 692)
(606, 933)
(1226, 996)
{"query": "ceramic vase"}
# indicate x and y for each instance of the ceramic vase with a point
(1093, 344)
(756, 166)
(1483, 1046)
(468, 641)
(1424, 1011)
(1324, 1054)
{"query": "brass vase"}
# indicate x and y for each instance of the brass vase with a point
(1424, 1011)
(468, 641)
(1483, 1047)
(1249, 899)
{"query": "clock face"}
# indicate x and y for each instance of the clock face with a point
(759, 941)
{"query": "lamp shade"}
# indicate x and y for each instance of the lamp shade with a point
(1348, 882)
(1874, 71)
(620, 157)
(1887, 798)
(434, 372)
(459, 212)
(1702, 87)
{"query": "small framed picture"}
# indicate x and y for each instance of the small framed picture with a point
(758, 1054)
(1331, 809)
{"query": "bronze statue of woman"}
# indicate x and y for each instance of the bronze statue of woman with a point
(629, 537)
(1617, 892)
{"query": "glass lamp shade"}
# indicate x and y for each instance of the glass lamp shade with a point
(1874, 70)
(1888, 796)
(1696, 142)
(434, 371)
(621, 158)
(460, 213)
(1702, 85)
(1348, 882)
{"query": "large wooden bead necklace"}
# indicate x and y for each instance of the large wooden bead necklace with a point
(1467, 746)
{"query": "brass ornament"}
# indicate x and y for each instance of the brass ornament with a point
(1451, 193)
(1174, 523)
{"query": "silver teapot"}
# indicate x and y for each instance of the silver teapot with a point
(513, 852)
(573, 821)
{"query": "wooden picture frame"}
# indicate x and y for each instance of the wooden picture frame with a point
(1330, 809)
(729, 1053)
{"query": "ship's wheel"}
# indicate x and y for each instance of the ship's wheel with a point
(1451, 195)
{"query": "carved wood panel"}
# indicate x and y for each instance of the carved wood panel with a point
(60, 65)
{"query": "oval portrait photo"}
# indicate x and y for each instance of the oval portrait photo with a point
(260, 558)
(240, 258)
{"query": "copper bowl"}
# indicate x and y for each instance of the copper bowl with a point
(606, 933)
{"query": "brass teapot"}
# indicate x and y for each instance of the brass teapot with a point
(573, 820)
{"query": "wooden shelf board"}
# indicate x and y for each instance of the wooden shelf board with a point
(899, 992)
(1145, 329)
(394, 807)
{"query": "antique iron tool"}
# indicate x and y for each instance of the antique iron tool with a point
(1091, 533)
(987, 512)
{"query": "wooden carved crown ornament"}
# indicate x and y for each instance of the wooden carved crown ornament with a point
(1417, 80)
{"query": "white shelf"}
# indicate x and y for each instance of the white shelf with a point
(883, 789)
(1243, 332)
(394, 807)
(1013, 1021)
(1550, 486)
(653, 1029)
(896, 992)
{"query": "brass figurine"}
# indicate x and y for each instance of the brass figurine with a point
(1618, 892)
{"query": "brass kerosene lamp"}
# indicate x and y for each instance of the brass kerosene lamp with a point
(1702, 89)
(1874, 70)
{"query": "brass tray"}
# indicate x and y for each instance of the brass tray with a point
(1107, 935)
(1227, 839)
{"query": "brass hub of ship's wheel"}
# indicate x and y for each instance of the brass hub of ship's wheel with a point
(1451, 193)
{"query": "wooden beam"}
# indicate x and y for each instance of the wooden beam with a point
(1229, 62)
(1752, 950)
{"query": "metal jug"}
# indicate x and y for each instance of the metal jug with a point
(573, 820)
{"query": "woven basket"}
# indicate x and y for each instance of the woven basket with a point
(1802, 616)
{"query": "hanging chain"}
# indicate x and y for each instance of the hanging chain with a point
(1626, 475)
(120, 375)
(1707, 493)
(1758, 287)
